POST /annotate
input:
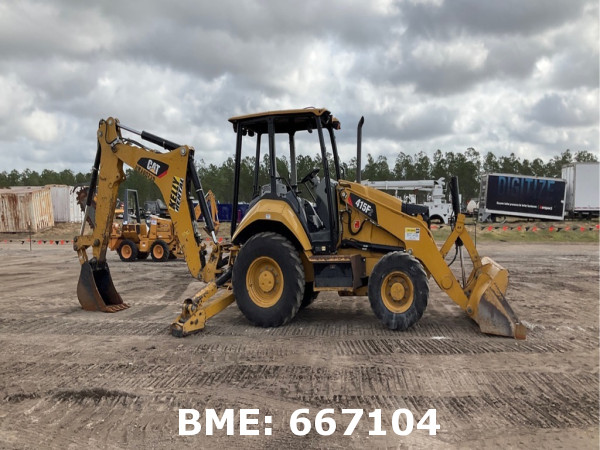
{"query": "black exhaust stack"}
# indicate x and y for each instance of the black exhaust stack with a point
(455, 196)
(455, 206)
(359, 148)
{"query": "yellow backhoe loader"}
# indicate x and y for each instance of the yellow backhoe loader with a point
(213, 209)
(136, 238)
(345, 237)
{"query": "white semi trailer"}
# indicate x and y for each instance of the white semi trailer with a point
(583, 189)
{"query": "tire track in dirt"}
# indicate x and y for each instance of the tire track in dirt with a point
(306, 382)
(425, 338)
(59, 326)
(420, 346)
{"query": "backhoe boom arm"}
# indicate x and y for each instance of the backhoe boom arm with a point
(174, 173)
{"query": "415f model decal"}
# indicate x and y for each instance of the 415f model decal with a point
(364, 206)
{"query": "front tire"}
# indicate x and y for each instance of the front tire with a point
(398, 290)
(268, 280)
(128, 251)
(159, 251)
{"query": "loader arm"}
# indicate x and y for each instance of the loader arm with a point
(482, 294)
(174, 174)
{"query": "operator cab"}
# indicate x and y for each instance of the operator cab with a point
(313, 198)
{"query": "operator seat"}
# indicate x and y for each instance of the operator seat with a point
(300, 206)
(265, 189)
(312, 218)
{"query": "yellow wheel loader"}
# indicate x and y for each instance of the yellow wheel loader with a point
(338, 235)
(135, 239)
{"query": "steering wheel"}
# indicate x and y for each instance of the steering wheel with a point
(309, 175)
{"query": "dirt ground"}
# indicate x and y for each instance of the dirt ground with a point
(76, 379)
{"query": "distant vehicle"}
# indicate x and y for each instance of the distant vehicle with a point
(471, 208)
(119, 210)
(155, 208)
(583, 189)
(135, 239)
(525, 196)
(439, 210)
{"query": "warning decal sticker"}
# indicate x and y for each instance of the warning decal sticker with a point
(412, 234)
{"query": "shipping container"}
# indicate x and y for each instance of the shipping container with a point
(64, 204)
(225, 212)
(25, 209)
(521, 196)
(583, 189)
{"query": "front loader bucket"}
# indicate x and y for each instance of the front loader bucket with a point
(96, 291)
(488, 305)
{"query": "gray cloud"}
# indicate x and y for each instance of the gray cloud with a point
(500, 76)
(559, 110)
(509, 17)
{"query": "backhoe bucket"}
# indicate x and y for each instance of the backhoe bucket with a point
(96, 291)
(488, 305)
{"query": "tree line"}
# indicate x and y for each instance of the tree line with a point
(47, 176)
(468, 166)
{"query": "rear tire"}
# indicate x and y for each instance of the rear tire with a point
(159, 251)
(398, 290)
(128, 251)
(268, 280)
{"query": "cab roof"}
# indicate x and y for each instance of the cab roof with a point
(285, 121)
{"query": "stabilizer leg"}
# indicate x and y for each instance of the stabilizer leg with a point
(208, 302)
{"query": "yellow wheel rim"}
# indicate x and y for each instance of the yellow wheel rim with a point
(397, 292)
(158, 251)
(126, 251)
(264, 281)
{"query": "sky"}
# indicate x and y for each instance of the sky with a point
(505, 77)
